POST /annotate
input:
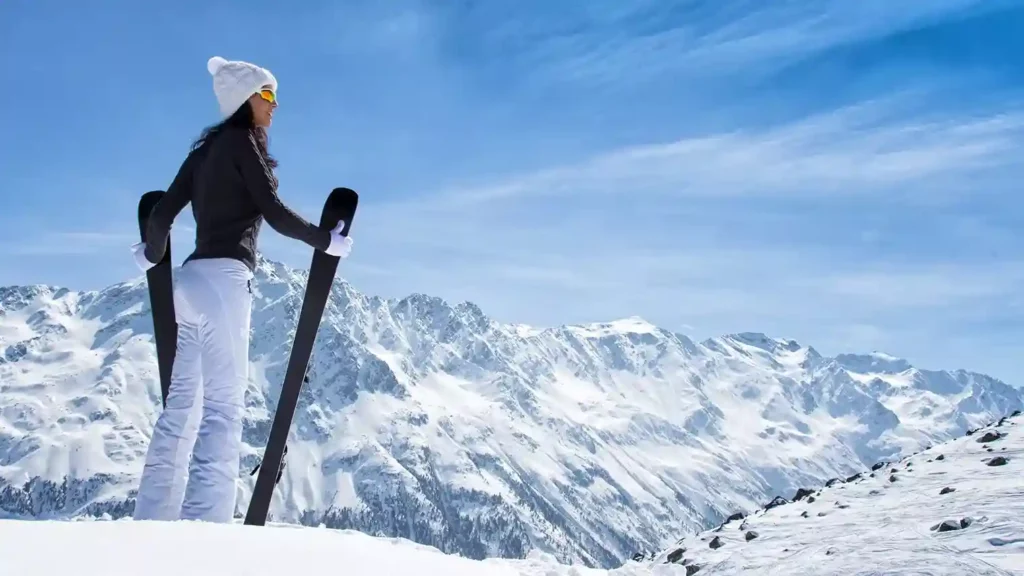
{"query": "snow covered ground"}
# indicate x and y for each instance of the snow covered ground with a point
(125, 547)
(886, 521)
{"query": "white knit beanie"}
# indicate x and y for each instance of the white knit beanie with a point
(234, 81)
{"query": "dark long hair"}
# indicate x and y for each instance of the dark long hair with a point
(242, 118)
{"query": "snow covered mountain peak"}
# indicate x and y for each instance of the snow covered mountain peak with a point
(623, 326)
(434, 422)
(763, 342)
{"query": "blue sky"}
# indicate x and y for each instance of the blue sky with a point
(846, 174)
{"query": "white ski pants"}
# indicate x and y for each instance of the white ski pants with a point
(203, 415)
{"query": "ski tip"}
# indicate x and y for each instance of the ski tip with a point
(344, 194)
(340, 205)
(146, 204)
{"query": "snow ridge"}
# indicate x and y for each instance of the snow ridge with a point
(955, 508)
(433, 422)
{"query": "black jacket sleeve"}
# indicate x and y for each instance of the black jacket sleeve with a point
(262, 186)
(178, 195)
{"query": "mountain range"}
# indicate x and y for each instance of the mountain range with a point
(433, 422)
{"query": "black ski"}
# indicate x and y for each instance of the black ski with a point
(279, 470)
(161, 299)
(340, 205)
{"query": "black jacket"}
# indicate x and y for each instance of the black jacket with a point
(232, 191)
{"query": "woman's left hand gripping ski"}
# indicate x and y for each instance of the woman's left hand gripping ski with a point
(139, 252)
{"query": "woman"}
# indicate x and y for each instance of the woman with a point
(228, 177)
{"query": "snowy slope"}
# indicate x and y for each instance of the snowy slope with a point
(128, 548)
(886, 520)
(435, 423)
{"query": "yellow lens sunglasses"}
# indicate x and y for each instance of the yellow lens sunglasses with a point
(268, 95)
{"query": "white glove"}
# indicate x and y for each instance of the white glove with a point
(341, 246)
(139, 252)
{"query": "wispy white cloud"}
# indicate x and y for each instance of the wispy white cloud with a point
(944, 286)
(696, 234)
(697, 39)
(68, 243)
(861, 150)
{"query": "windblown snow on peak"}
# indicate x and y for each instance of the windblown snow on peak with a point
(434, 422)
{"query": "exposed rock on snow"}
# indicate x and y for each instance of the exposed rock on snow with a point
(991, 436)
(802, 493)
(947, 526)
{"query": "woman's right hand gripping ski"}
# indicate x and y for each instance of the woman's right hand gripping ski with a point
(341, 246)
